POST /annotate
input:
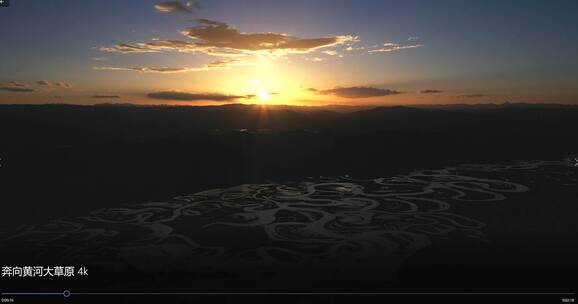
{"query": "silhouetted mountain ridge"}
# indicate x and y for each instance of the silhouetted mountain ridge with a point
(124, 122)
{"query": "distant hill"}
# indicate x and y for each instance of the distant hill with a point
(126, 122)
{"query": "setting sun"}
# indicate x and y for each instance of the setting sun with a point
(263, 95)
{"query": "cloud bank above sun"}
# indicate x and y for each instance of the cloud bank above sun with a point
(220, 39)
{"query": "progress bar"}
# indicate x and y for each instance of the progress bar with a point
(67, 293)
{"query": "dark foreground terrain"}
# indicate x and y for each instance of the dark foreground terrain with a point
(265, 199)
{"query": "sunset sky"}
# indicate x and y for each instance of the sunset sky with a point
(298, 52)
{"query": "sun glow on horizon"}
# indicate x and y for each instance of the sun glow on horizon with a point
(263, 95)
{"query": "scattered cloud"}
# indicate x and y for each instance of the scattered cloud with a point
(215, 65)
(355, 92)
(411, 38)
(98, 58)
(18, 89)
(431, 91)
(170, 46)
(178, 7)
(222, 63)
(16, 86)
(184, 96)
(331, 53)
(61, 84)
(354, 48)
(105, 96)
(165, 70)
(126, 48)
(394, 47)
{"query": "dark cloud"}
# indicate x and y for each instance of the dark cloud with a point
(178, 6)
(473, 95)
(105, 96)
(431, 91)
(215, 65)
(58, 84)
(183, 96)
(15, 86)
(153, 47)
(355, 92)
(16, 89)
(62, 84)
(221, 63)
(169, 45)
(165, 70)
(126, 48)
